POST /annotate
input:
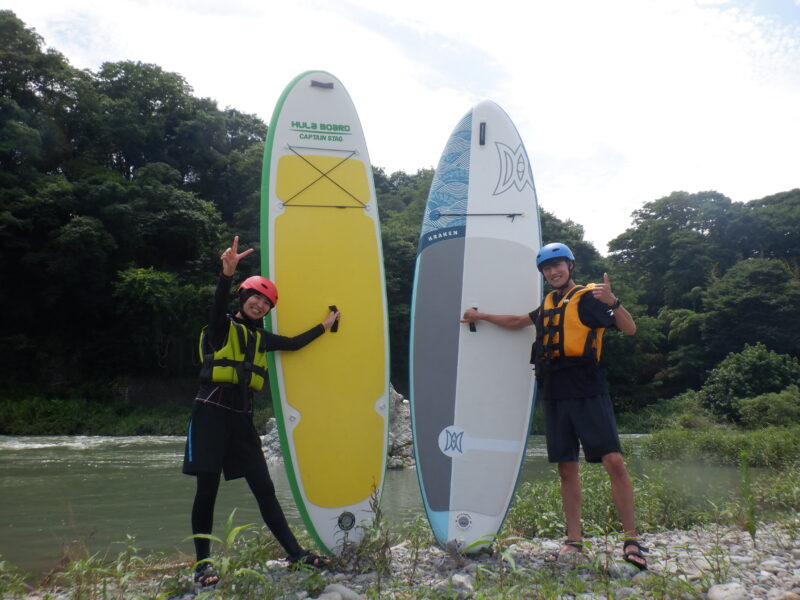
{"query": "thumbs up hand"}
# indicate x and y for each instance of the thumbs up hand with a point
(602, 291)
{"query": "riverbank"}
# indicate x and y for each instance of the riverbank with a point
(713, 563)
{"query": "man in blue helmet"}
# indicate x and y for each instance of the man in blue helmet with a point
(578, 409)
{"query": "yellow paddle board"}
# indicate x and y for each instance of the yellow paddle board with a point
(322, 247)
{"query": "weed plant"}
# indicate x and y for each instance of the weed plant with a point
(661, 503)
(372, 552)
(779, 490)
(12, 580)
(746, 497)
(418, 535)
(774, 447)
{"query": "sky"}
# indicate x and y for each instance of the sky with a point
(618, 102)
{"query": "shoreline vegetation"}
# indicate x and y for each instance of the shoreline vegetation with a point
(41, 414)
(694, 544)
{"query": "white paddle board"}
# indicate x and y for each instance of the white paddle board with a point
(472, 391)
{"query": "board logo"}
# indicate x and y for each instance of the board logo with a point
(463, 520)
(514, 169)
(346, 521)
(451, 441)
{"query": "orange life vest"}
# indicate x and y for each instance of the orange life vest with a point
(562, 334)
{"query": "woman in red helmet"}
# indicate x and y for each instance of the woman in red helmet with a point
(221, 436)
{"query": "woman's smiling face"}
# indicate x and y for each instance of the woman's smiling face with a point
(256, 307)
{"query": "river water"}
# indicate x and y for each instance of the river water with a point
(61, 492)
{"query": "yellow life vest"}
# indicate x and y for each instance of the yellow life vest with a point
(241, 361)
(562, 333)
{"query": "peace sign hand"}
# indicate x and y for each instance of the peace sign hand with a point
(231, 257)
(602, 291)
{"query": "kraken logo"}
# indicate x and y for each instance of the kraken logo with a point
(514, 169)
(451, 440)
(454, 441)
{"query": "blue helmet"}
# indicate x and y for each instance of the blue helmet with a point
(554, 250)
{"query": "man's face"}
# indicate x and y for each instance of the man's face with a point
(256, 306)
(556, 272)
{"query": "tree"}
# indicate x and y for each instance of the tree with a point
(775, 409)
(100, 174)
(756, 300)
(402, 196)
(752, 372)
(770, 228)
(171, 229)
(675, 245)
(399, 256)
(405, 196)
(158, 321)
(633, 364)
(687, 359)
(143, 110)
(38, 100)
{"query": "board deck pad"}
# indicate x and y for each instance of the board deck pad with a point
(472, 391)
(321, 246)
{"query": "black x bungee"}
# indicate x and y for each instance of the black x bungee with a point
(323, 175)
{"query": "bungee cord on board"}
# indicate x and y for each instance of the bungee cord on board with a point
(323, 175)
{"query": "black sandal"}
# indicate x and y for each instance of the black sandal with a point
(578, 545)
(308, 559)
(205, 578)
(631, 555)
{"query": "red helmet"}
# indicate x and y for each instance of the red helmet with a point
(261, 285)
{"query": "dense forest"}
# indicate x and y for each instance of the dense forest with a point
(119, 188)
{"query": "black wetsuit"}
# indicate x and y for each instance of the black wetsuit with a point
(223, 439)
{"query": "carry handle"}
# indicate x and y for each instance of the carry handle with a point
(335, 326)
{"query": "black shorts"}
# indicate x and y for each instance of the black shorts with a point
(589, 422)
(222, 440)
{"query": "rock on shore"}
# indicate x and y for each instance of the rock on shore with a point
(401, 448)
(709, 563)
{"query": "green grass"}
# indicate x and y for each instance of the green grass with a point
(769, 447)
(661, 503)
